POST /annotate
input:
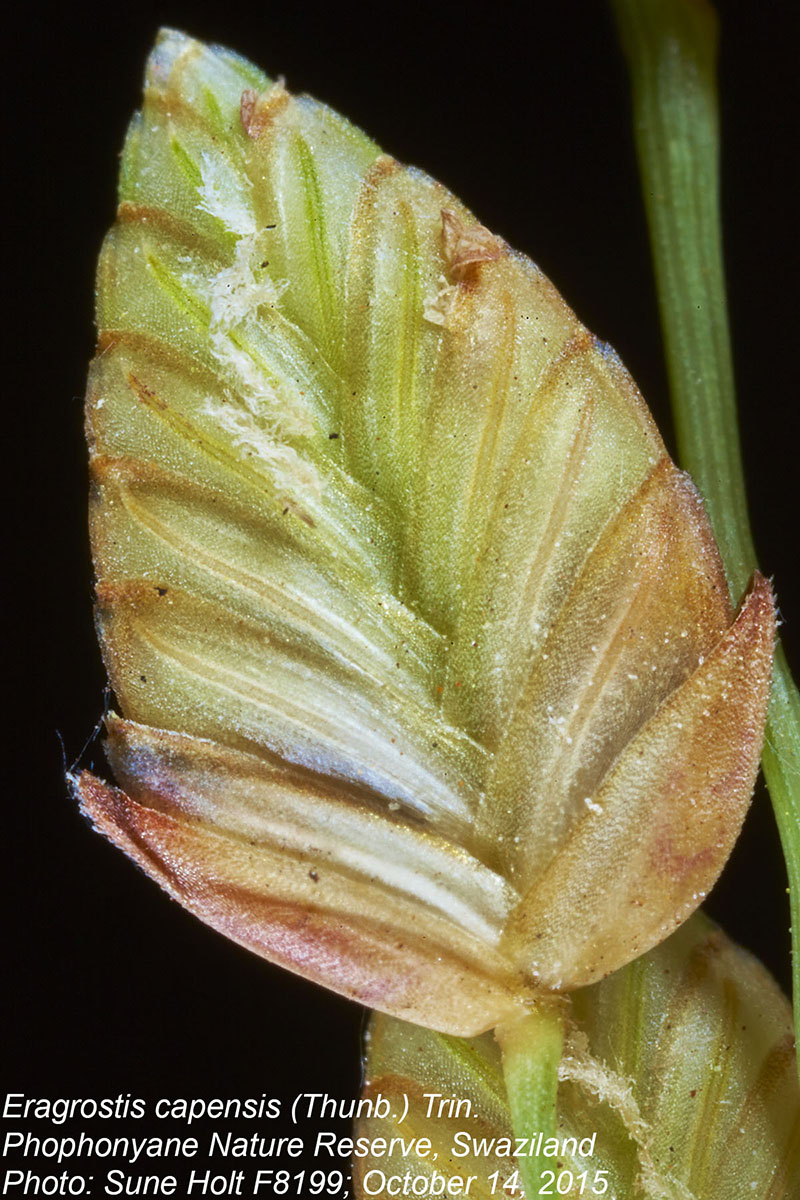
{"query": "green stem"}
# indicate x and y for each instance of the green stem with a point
(671, 46)
(531, 1047)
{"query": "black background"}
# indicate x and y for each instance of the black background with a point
(110, 987)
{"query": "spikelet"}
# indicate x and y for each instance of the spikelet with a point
(429, 685)
(677, 1083)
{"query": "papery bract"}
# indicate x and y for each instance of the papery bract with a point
(430, 686)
